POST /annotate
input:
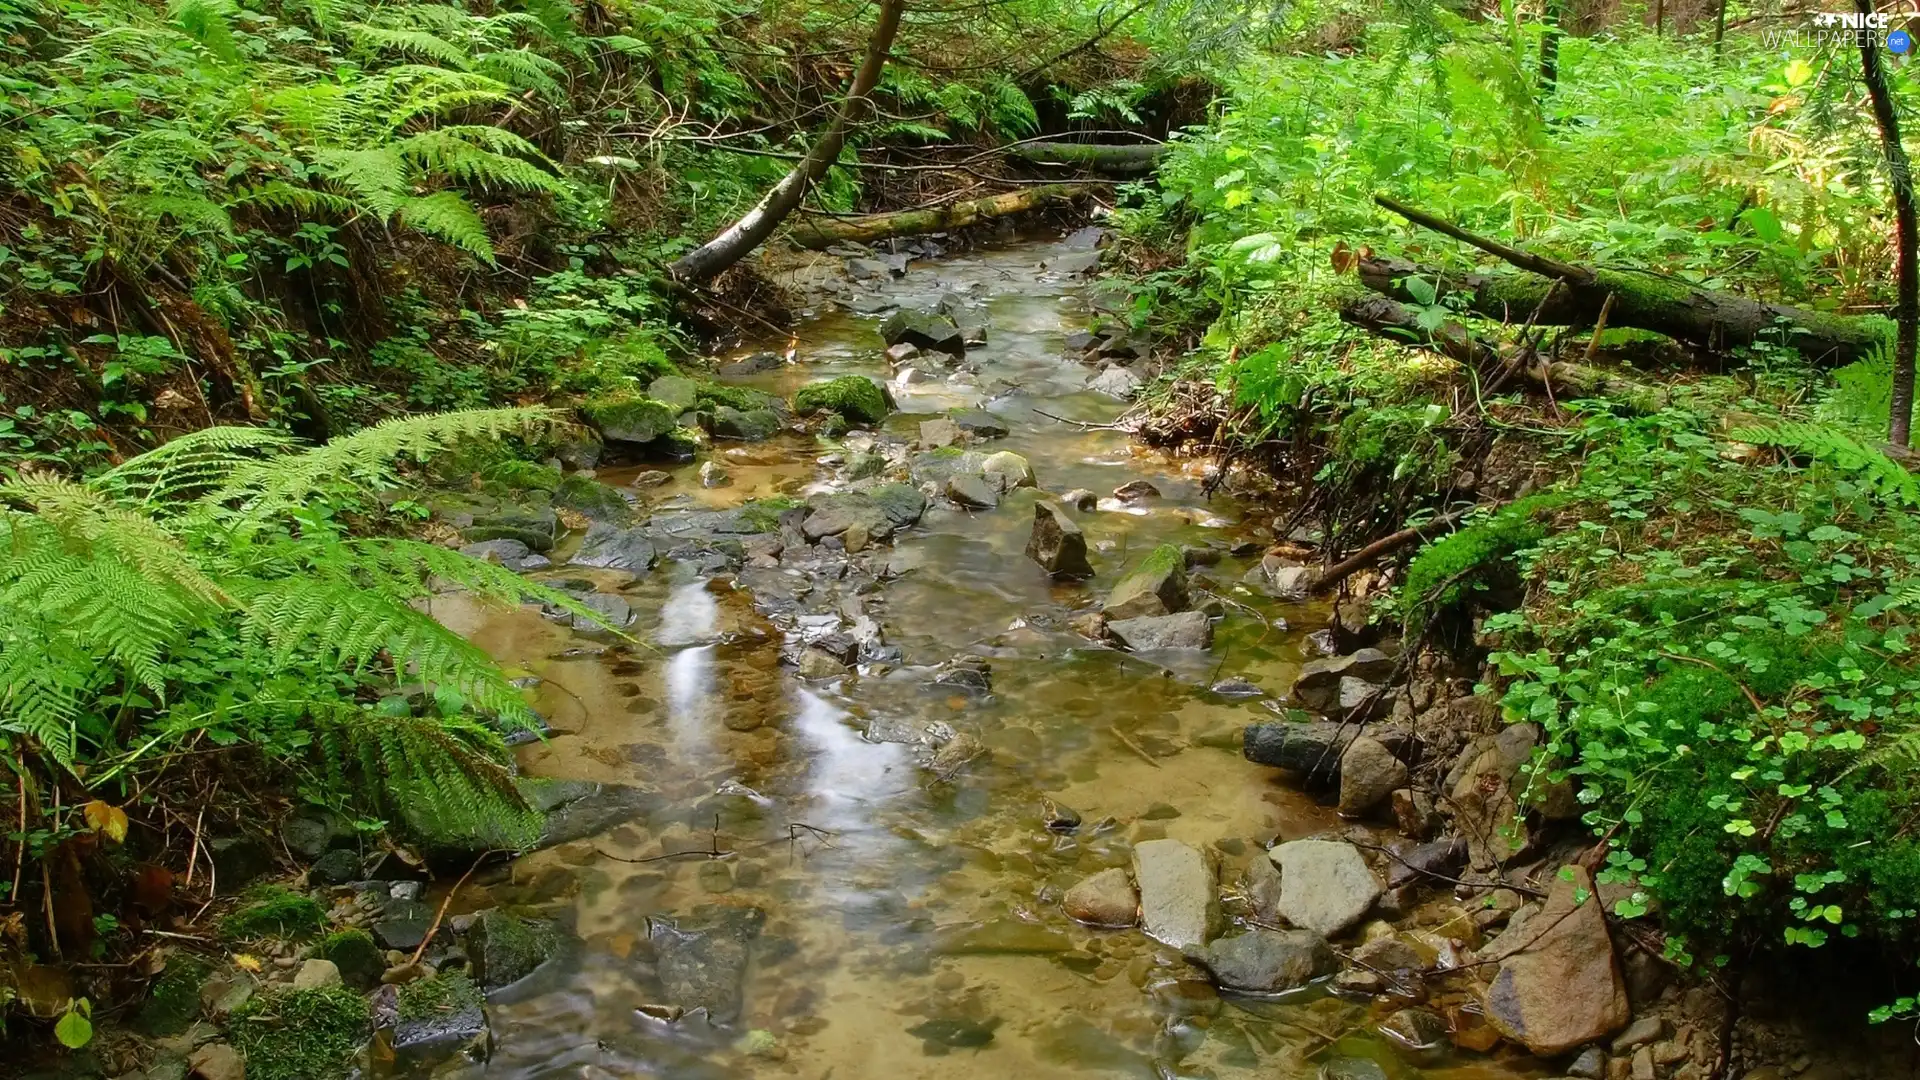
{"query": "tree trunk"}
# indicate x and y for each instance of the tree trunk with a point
(1550, 50)
(1720, 31)
(826, 232)
(1126, 159)
(1906, 310)
(759, 223)
(1701, 318)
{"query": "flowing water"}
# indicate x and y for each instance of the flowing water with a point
(912, 925)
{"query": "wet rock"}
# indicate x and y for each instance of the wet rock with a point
(1389, 954)
(676, 392)
(508, 553)
(1421, 1032)
(504, 948)
(1325, 885)
(1369, 773)
(746, 425)
(1105, 899)
(935, 333)
(402, 925)
(1236, 687)
(1641, 1066)
(1186, 630)
(713, 475)
(980, 423)
(1419, 862)
(1260, 884)
(1158, 586)
(1483, 790)
(1085, 238)
(1061, 818)
(1558, 986)
(938, 433)
(216, 1061)
(1082, 500)
(316, 974)
(1136, 490)
(1646, 1029)
(1074, 263)
(751, 365)
(957, 1033)
(1057, 543)
(819, 664)
(1267, 961)
(608, 547)
(1177, 904)
(1000, 937)
(1352, 1068)
(312, 831)
(1589, 1064)
(703, 963)
(1312, 748)
(614, 611)
(971, 490)
(651, 478)
(967, 673)
(628, 417)
(1115, 382)
(1317, 687)
(864, 269)
(1358, 981)
(1293, 583)
(1007, 470)
(1413, 812)
(442, 1030)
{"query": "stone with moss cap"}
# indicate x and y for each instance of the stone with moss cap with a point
(505, 948)
(357, 956)
(629, 418)
(855, 397)
(1158, 586)
(272, 911)
(300, 1034)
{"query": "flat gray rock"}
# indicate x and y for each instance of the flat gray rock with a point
(1325, 885)
(1177, 903)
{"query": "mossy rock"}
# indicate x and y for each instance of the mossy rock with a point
(301, 1034)
(592, 498)
(505, 948)
(677, 392)
(444, 994)
(357, 956)
(274, 912)
(173, 1001)
(763, 515)
(630, 418)
(1157, 586)
(751, 425)
(855, 397)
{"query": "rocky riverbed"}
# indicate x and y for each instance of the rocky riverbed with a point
(947, 732)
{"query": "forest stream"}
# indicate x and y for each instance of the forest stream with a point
(857, 875)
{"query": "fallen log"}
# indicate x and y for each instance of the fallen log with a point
(1114, 159)
(819, 233)
(1566, 379)
(1566, 294)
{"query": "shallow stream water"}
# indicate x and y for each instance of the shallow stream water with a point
(912, 925)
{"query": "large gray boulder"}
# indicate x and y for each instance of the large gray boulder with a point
(609, 547)
(1369, 773)
(1325, 885)
(1312, 749)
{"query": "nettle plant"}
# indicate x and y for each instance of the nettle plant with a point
(1718, 644)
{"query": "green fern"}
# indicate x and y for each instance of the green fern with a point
(195, 591)
(1830, 446)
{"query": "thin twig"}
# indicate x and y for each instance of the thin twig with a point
(421, 949)
(1133, 746)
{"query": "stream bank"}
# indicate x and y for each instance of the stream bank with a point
(864, 796)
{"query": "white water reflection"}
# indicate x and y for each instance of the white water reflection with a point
(847, 774)
(690, 617)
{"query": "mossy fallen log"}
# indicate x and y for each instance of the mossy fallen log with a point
(1113, 159)
(1701, 318)
(819, 233)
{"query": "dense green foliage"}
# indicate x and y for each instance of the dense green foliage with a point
(300, 1034)
(1706, 608)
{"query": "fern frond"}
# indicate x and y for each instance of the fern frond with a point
(263, 490)
(478, 155)
(1830, 446)
(185, 466)
(445, 215)
(280, 195)
(419, 44)
(524, 69)
(376, 177)
(209, 22)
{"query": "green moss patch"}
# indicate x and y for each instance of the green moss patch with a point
(857, 398)
(356, 954)
(300, 1034)
(629, 418)
(274, 912)
(442, 995)
(173, 1001)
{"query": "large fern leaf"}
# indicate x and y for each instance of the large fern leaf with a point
(1829, 445)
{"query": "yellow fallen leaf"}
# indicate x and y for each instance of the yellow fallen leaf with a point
(106, 818)
(246, 962)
